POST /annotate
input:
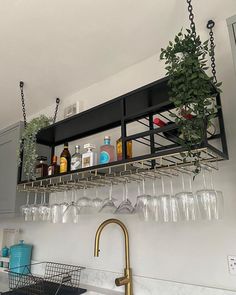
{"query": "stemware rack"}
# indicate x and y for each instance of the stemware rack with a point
(140, 107)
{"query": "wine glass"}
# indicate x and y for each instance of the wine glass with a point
(156, 202)
(71, 214)
(186, 201)
(174, 208)
(108, 206)
(143, 206)
(56, 214)
(165, 203)
(64, 205)
(96, 202)
(210, 201)
(125, 206)
(44, 208)
(34, 208)
(85, 203)
(26, 209)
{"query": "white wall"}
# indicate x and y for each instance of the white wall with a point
(191, 253)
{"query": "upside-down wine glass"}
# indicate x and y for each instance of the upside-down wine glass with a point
(143, 206)
(108, 206)
(71, 214)
(26, 209)
(35, 208)
(186, 201)
(125, 206)
(44, 208)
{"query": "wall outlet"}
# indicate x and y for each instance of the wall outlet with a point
(232, 265)
(72, 109)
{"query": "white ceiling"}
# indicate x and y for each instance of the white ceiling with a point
(60, 46)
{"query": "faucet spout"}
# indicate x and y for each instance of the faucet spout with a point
(127, 279)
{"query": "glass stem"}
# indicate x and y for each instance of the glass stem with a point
(110, 193)
(35, 198)
(143, 186)
(162, 185)
(183, 185)
(171, 187)
(153, 187)
(126, 191)
(27, 198)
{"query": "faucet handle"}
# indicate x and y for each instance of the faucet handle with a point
(122, 281)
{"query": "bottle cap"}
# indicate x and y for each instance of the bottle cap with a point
(89, 146)
(42, 158)
(77, 147)
(159, 122)
(66, 144)
(107, 137)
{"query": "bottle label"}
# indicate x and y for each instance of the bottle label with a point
(75, 164)
(86, 161)
(50, 169)
(63, 165)
(104, 157)
(39, 172)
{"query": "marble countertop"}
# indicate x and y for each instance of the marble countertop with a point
(4, 287)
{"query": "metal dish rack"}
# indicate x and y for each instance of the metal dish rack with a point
(58, 279)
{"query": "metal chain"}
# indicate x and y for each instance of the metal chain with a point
(210, 26)
(191, 18)
(56, 110)
(23, 102)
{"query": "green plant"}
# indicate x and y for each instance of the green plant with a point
(190, 90)
(28, 144)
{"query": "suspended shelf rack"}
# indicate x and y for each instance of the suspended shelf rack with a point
(140, 107)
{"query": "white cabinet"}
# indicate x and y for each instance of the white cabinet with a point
(232, 33)
(10, 200)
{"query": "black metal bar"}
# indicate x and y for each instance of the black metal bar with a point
(222, 127)
(222, 155)
(139, 141)
(146, 125)
(149, 132)
(144, 138)
(123, 130)
(164, 106)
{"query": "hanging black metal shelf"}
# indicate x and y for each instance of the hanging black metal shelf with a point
(140, 106)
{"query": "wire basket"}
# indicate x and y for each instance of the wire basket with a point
(58, 279)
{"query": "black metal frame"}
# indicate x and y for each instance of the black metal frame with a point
(140, 106)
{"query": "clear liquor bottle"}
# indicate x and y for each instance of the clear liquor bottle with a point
(76, 159)
(107, 151)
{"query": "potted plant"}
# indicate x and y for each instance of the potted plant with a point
(28, 144)
(190, 90)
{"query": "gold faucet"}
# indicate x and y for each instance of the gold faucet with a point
(126, 280)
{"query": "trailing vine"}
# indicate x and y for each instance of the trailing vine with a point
(28, 144)
(190, 90)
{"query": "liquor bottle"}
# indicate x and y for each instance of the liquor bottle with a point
(65, 159)
(76, 159)
(129, 149)
(173, 134)
(53, 169)
(89, 158)
(107, 151)
(41, 169)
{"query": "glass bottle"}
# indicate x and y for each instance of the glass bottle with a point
(41, 169)
(65, 159)
(89, 158)
(129, 148)
(53, 169)
(107, 151)
(76, 159)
